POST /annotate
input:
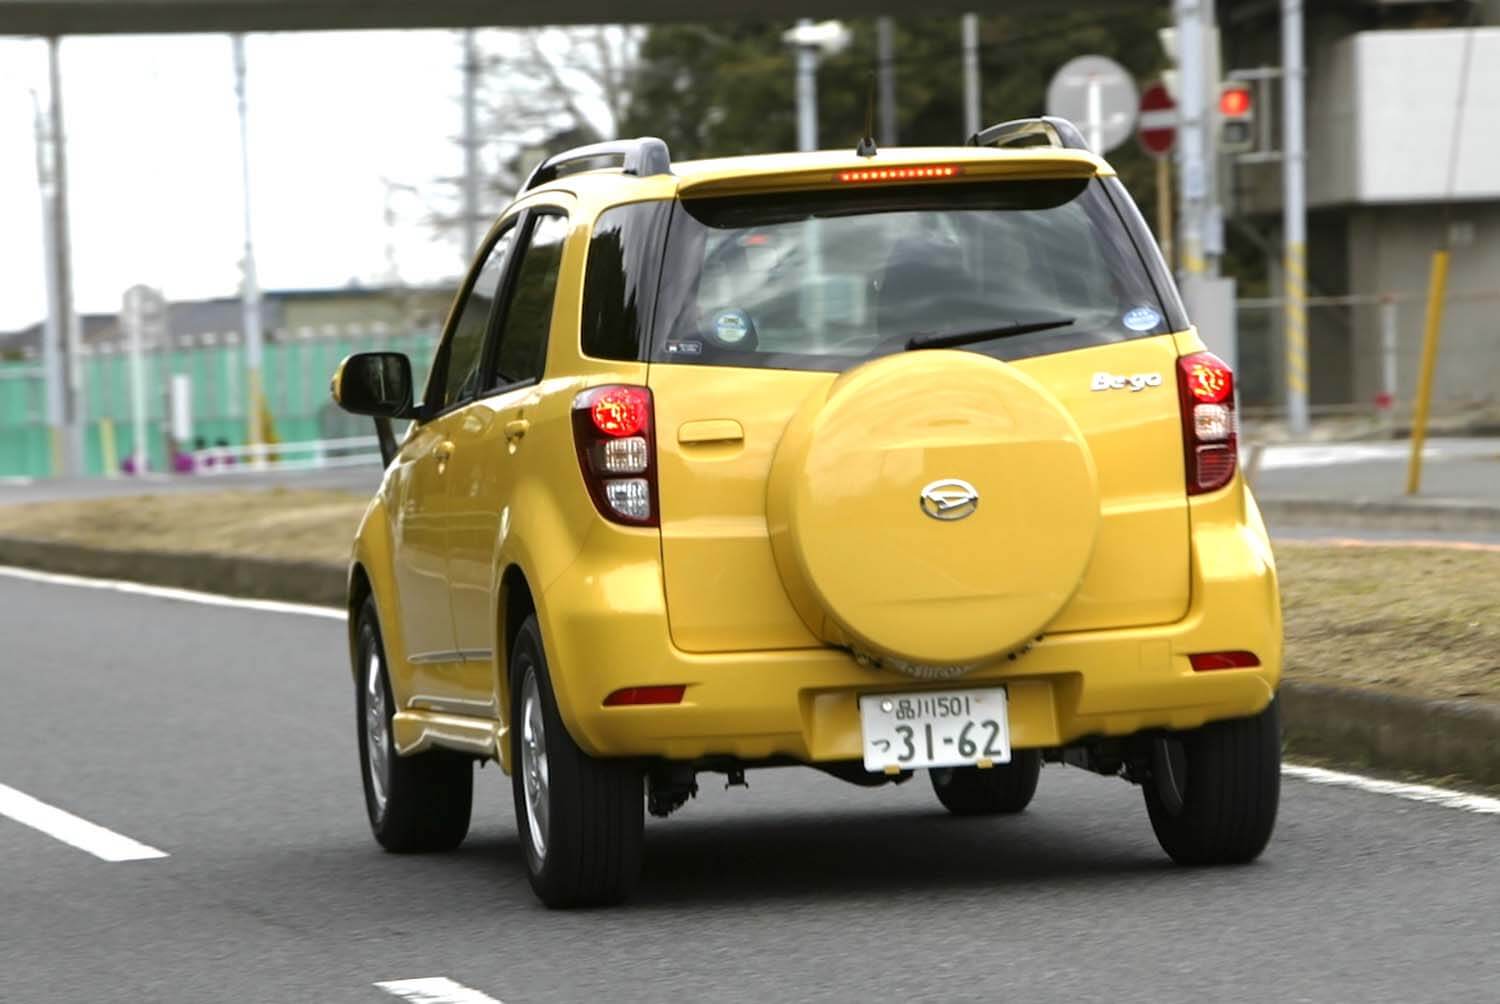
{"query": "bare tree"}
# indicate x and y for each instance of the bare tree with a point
(544, 90)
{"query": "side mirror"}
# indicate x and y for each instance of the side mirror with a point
(377, 384)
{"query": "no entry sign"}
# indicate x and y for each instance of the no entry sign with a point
(1158, 121)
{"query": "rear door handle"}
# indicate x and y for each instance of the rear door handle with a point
(712, 430)
(516, 428)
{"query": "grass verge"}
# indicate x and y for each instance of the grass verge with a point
(1421, 621)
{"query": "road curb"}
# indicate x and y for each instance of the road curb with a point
(1357, 728)
(314, 582)
(1428, 515)
(1393, 732)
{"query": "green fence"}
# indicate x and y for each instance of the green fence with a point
(25, 444)
(296, 370)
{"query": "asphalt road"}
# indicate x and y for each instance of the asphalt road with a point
(225, 738)
(1452, 468)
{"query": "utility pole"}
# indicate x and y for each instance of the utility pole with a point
(1192, 139)
(66, 318)
(807, 92)
(811, 40)
(885, 46)
(971, 74)
(250, 285)
(51, 328)
(1213, 212)
(471, 147)
(1294, 213)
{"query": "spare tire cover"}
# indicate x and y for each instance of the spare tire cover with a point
(876, 540)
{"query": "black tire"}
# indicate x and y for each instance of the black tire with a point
(415, 803)
(1003, 788)
(1229, 794)
(591, 810)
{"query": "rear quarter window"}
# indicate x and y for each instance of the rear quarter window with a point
(827, 279)
(620, 279)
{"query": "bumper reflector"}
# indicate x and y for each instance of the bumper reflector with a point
(1204, 661)
(627, 696)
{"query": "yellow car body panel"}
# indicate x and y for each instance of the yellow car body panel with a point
(700, 602)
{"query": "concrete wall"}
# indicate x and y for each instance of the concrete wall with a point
(1390, 250)
(1407, 86)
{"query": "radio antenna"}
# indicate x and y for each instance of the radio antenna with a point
(866, 146)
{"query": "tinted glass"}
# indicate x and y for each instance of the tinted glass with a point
(457, 373)
(619, 287)
(523, 329)
(824, 280)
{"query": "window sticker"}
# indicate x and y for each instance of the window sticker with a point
(687, 347)
(1141, 318)
(732, 326)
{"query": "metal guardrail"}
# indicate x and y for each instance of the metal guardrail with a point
(313, 454)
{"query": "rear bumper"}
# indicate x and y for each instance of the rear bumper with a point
(604, 625)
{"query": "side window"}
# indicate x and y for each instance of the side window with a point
(619, 281)
(522, 351)
(456, 373)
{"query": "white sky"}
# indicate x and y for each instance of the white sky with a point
(154, 180)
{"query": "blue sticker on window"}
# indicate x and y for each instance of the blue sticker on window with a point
(731, 326)
(1141, 318)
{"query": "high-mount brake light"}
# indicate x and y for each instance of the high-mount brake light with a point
(1210, 429)
(923, 173)
(614, 435)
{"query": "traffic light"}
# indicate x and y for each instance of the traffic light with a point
(1236, 115)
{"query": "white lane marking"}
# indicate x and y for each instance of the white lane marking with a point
(1413, 792)
(169, 593)
(1280, 456)
(1419, 544)
(64, 826)
(435, 990)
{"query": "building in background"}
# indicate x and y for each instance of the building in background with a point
(1395, 170)
(307, 333)
(285, 314)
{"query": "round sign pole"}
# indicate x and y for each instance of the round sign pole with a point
(1164, 211)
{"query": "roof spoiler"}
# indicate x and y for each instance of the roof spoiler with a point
(642, 157)
(1049, 130)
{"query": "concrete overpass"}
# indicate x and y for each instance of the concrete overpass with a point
(97, 17)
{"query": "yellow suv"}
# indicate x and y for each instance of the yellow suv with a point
(872, 461)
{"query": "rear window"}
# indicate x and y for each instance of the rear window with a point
(823, 280)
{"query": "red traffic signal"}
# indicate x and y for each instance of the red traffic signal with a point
(1236, 109)
(1234, 101)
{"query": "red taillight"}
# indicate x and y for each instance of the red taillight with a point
(1210, 433)
(1204, 661)
(616, 442)
(926, 172)
(627, 696)
(621, 411)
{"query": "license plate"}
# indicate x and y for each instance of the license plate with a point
(934, 728)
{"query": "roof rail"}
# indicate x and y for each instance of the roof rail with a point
(1049, 130)
(643, 156)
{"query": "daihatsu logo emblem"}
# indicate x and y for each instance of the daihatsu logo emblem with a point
(949, 499)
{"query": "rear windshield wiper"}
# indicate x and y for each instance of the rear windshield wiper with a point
(951, 339)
